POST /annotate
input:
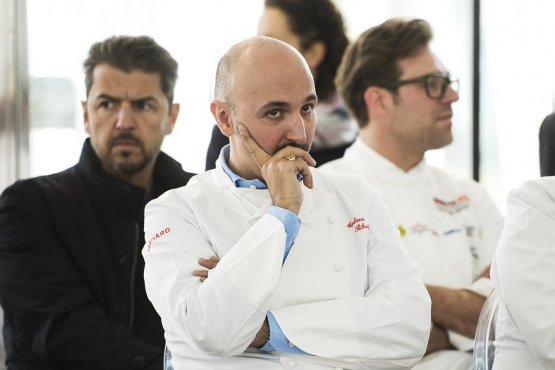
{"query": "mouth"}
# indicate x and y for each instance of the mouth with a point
(446, 117)
(125, 143)
(125, 148)
(304, 147)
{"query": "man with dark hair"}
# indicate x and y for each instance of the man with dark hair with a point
(71, 276)
(401, 94)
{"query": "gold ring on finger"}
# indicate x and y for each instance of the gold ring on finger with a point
(290, 157)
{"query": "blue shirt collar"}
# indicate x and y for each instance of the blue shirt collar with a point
(236, 179)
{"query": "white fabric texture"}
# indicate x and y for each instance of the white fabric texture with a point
(450, 226)
(446, 360)
(348, 293)
(523, 273)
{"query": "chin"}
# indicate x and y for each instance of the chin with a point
(447, 142)
(441, 142)
(129, 166)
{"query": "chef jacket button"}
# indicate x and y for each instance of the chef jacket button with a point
(138, 361)
(291, 345)
(337, 268)
(292, 363)
(252, 187)
(120, 307)
(331, 220)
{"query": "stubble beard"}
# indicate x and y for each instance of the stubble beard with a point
(125, 165)
(124, 162)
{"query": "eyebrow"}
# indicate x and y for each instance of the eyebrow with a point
(116, 99)
(284, 104)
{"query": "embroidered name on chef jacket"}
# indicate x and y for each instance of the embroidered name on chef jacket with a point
(159, 234)
(452, 207)
(357, 223)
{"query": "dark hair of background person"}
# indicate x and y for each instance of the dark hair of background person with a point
(129, 53)
(547, 146)
(312, 21)
(372, 60)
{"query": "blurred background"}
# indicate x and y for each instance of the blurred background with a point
(503, 52)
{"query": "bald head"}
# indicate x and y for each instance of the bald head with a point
(266, 86)
(252, 57)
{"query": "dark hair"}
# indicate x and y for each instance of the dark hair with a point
(129, 53)
(373, 60)
(312, 21)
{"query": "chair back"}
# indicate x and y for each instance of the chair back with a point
(547, 146)
(167, 359)
(484, 350)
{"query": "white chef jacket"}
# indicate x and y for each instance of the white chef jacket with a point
(523, 272)
(449, 225)
(348, 292)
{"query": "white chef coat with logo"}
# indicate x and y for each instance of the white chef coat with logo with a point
(449, 225)
(348, 293)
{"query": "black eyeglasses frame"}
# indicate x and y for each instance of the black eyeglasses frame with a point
(447, 81)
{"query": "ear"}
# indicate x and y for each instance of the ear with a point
(222, 114)
(378, 101)
(315, 54)
(86, 117)
(174, 112)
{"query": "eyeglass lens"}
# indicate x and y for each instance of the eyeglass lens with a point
(436, 86)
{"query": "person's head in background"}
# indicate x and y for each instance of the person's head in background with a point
(129, 109)
(398, 91)
(315, 28)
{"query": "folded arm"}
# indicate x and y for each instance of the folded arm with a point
(223, 314)
(389, 324)
(456, 309)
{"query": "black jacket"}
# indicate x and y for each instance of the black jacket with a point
(71, 272)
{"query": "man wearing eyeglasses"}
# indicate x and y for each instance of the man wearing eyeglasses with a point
(401, 94)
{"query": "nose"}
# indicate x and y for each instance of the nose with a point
(297, 131)
(451, 95)
(125, 118)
